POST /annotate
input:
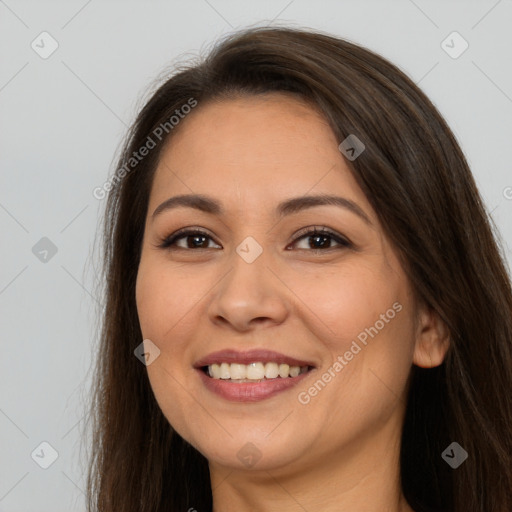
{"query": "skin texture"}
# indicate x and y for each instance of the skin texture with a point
(340, 451)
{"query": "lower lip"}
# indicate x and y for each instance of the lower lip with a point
(250, 391)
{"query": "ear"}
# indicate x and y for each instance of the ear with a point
(432, 339)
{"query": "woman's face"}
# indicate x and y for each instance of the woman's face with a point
(337, 304)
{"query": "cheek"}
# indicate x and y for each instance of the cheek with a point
(164, 308)
(164, 299)
(344, 301)
(362, 314)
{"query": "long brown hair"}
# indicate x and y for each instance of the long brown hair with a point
(417, 179)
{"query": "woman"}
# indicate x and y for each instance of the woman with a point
(306, 305)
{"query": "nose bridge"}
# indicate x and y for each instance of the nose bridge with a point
(249, 290)
(247, 279)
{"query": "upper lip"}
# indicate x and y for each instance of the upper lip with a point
(249, 356)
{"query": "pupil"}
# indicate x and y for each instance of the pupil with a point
(196, 239)
(318, 237)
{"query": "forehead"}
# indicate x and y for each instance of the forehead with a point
(259, 149)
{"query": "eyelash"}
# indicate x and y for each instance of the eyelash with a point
(168, 242)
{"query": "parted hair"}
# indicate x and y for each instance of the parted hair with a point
(417, 180)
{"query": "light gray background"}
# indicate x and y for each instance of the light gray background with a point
(62, 119)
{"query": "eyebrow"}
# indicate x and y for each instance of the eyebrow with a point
(290, 206)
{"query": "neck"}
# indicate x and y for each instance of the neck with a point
(361, 476)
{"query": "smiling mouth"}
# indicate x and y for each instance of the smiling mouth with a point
(253, 372)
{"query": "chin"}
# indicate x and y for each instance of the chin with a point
(249, 452)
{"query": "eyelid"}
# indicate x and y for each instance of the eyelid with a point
(168, 241)
(320, 230)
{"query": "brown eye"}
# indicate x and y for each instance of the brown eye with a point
(320, 240)
(195, 239)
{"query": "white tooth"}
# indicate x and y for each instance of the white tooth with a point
(284, 370)
(238, 371)
(214, 371)
(224, 371)
(271, 370)
(294, 371)
(255, 371)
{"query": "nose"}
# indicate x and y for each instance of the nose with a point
(250, 294)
